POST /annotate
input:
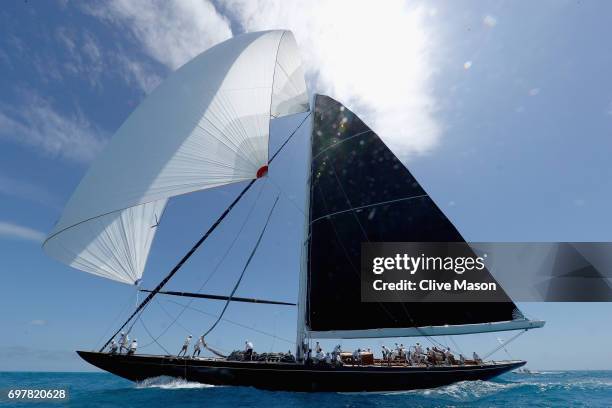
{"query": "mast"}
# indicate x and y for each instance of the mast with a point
(303, 278)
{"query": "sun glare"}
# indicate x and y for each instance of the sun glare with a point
(376, 60)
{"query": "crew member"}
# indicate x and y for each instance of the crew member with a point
(309, 357)
(197, 348)
(357, 357)
(113, 347)
(338, 360)
(248, 350)
(430, 355)
(450, 359)
(185, 347)
(476, 358)
(124, 342)
(418, 349)
(336, 352)
(319, 356)
(133, 347)
(385, 352)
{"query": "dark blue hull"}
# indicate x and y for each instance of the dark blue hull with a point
(294, 377)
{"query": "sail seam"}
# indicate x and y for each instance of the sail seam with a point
(367, 206)
(341, 141)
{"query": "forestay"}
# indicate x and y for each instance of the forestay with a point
(206, 125)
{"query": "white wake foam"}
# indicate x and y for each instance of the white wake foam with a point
(170, 383)
(463, 390)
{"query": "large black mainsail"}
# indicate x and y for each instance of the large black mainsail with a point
(361, 192)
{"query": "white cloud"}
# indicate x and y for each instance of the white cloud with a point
(83, 57)
(489, 21)
(14, 231)
(171, 31)
(38, 322)
(534, 91)
(27, 191)
(137, 72)
(377, 60)
(36, 123)
(86, 58)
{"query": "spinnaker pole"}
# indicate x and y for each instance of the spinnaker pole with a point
(198, 243)
(221, 297)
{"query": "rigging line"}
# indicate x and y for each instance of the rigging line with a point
(342, 141)
(354, 213)
(455, 344)
(244, 269)
(184, 259)
(174, 321)
(217, 266)
(346, 253)
(112, 323)
(511, 339)
(287, 196)
(204, 237)
(234, 323)
(129, 330)
(170, 316)
(501, 341)
(351, 209)
(290, 136)
(154, 339)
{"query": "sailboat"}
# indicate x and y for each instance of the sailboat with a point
(206, 126)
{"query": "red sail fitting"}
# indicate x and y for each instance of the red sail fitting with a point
(263, 170)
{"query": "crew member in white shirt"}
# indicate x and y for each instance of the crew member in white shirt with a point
(133, 347)
(197, 348)
(124, 342)
(248, 350)
(185, 347)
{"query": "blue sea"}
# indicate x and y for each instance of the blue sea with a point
(539, 389)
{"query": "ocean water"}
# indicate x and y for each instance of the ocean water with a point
(543, 389)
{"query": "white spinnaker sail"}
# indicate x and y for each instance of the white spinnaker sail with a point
(206, 125)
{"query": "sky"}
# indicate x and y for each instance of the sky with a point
(502, 110)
